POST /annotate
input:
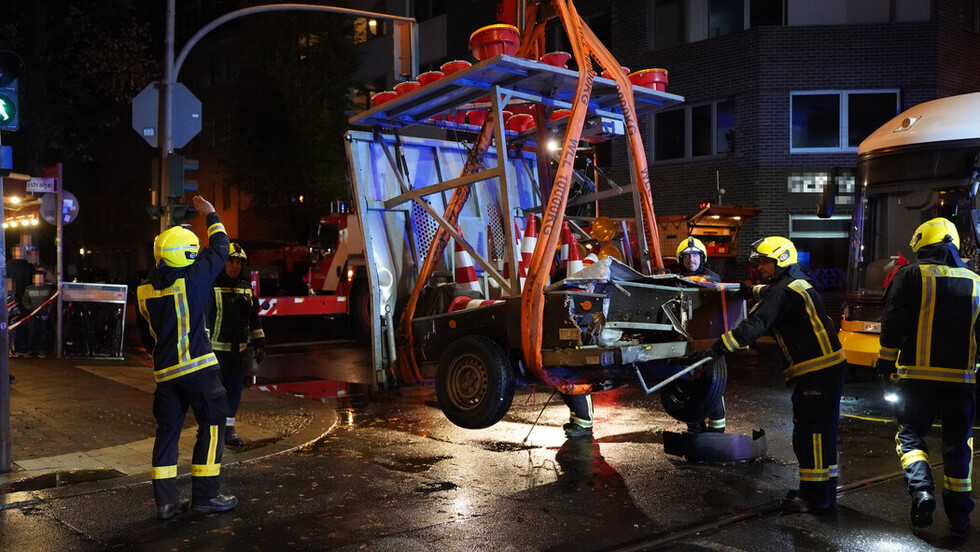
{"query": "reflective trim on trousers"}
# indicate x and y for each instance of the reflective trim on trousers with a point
(164, 472)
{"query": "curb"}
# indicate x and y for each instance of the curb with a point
(324, 421)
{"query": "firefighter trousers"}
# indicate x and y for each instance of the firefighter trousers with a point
(232, 378)
(955, 404)
(816, 417)
(716, 420)
(581, 409)
(202, 392)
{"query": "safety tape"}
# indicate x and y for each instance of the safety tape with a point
(44, 304)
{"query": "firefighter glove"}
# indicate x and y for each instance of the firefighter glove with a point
(884, 369)
(745, 290)
(259, 354)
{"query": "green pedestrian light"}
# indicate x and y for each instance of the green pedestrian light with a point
(8, 108)
(11, 67)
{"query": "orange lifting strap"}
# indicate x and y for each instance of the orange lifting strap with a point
(585, 48)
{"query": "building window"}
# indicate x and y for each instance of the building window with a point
(766, 12)
(821, 246)
(725, 127)
(694, 131)
(701, 143)
(668, 23)
(971, 15)
(427, 9)
(725, 17)
(668, 135)
(833, 120)
(365, 29)
(867, 112)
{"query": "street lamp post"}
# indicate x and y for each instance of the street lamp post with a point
(172, 69)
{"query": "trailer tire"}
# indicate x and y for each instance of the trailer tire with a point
(475, 382)
(691, 400)
(360, 306)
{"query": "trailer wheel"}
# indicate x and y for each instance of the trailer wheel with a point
(691, 400)
(475, 382)
(360, 306)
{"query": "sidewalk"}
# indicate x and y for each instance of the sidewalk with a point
(80, 425)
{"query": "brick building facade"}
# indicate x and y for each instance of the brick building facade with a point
(921, 50)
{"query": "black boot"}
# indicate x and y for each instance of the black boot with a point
(232, 439)
(923, 504)
(220, 503)
(168, 511)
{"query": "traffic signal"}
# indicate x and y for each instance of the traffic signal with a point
(178, 166)
(180, 212)
(11, 67)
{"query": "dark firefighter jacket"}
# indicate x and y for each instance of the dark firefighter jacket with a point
(704, 272)
(233, 315)
(172, 304)
(789, 308)
(929, 326)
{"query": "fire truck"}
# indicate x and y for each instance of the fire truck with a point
(335, 277)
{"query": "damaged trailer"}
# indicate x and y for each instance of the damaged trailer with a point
(422, 176)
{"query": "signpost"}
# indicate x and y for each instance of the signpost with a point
(11, 67)
(41, 185)
(187, 114)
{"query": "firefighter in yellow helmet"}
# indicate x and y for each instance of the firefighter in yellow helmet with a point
(792, 311)
(172, 303)
(929, 337)
(233, 319)
(693, 258)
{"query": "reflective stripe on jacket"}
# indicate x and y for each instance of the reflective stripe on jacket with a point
(792, 310)
(172, 304)
(233, 315)
(929, 325)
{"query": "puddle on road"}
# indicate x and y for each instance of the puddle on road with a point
(410, 465)
(503, 446)
(435, 487)
(59, 479)
(645, 437)
(313, 389)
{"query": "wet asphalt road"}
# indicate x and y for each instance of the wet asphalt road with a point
(396, 475)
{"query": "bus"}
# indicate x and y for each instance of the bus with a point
(920, 165)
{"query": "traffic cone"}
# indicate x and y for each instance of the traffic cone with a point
(575, 262)
(590, 259)
(566, 239)
(530, 241)
(521, 268)
(465, 273)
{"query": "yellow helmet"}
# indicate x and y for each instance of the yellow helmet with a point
(691, 244)
(176, 247)
(937, 230)
(235, 251)
(777, 248)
